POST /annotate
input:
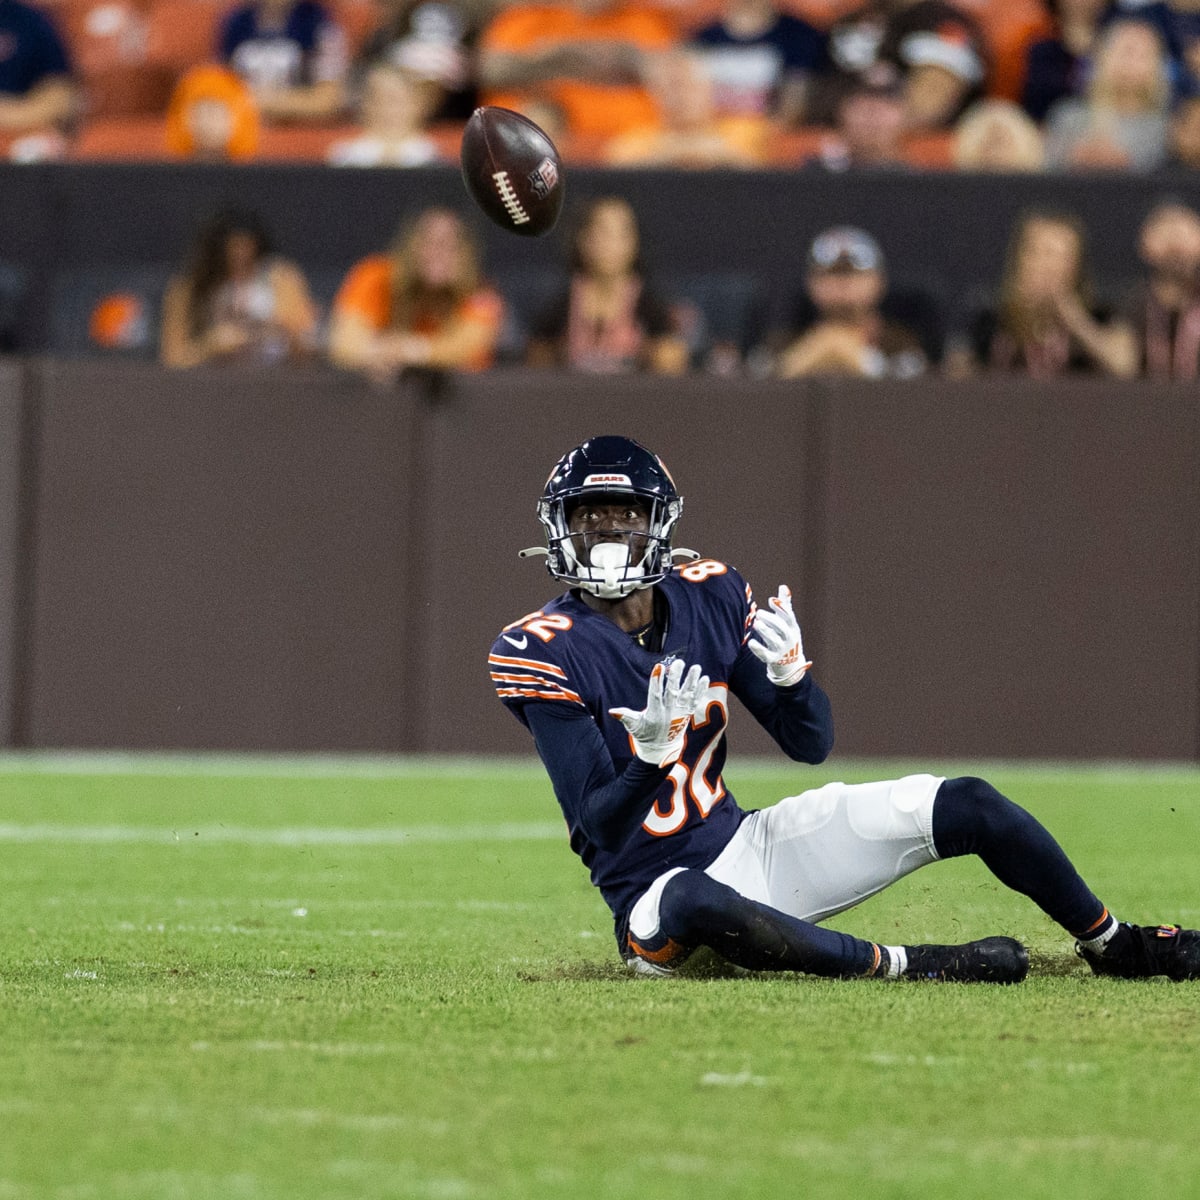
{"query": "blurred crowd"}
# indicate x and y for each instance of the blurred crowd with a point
(425, 302)
(1024, 85)
(811, 86)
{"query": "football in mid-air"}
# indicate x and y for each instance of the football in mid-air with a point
(512, 171)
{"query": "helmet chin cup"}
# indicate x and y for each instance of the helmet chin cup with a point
(608, 573)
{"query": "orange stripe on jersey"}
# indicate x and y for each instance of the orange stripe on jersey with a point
(500, 660)
(506, 677)
(535, 694)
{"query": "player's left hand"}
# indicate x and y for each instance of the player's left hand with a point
(777, 642)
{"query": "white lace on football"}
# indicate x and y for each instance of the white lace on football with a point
(509, 198)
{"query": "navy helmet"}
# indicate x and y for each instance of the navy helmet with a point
(617, 467)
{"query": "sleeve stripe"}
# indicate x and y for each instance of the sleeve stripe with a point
(535, 694)
(498, 660)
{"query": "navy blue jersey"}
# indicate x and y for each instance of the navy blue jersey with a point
(560, 670)
(30, 48)
(748, 72)
(306, 47)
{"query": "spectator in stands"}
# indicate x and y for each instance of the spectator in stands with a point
(1178, 23)
(845, 330)
(292, 54)
(998, 135)
(1184, 134)
(237, 300)
(1056, 67)
(212, 116)
(692, 133)
(870, 125)
(395, 108)
(1122, 123)
(609, 317)
(761, 60)
(434, 39)
(1045, 322)
(936, 51)
(422, 304)
(37, 90)
(589, 57)
(1166, 310)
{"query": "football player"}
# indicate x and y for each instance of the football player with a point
(624, 682)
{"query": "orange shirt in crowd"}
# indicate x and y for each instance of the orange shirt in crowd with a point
(367, 293)
(591, 109)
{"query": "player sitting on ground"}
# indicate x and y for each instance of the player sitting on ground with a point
(624, 683)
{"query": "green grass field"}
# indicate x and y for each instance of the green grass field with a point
(298, 981)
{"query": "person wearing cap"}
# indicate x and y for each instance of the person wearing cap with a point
(937, 51)
(870, 125)
(847, 332)
(432, 39)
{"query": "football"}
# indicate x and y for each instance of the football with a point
(512, 171)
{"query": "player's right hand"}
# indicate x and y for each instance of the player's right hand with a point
(659, 731)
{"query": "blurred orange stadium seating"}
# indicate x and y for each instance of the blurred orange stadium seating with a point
(356, 17)
(122, 139)
(929, 151)
(143, 138)
(182, 33)
(140, 89)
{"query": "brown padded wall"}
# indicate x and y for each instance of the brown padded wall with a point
(1013, 570)
(10, 490)
(221, 561)
(240, 559)
(737, 453)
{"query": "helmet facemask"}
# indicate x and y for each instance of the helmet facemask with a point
(609, 567)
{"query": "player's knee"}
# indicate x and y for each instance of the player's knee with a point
(969, 813)
(693, 904)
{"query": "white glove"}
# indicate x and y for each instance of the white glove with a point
(659, 730)
(777, 641)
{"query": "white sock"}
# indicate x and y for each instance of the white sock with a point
(897, 961)
(1097, 942)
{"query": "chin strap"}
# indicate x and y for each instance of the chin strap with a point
(688, 555)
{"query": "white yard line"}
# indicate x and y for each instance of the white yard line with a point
(531, 831)
(375, 766)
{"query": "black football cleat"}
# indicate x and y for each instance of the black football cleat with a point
(990, 960)
(1148, 950)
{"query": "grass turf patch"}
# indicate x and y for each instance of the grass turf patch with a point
(250, 983)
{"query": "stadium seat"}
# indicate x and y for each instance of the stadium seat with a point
(135, 90)
(527, 292)
(357, 19)
(300, 143)
(182, 33)
(110, 311)
(122, 139)
(930, 151)
(1010, 28)
(14, 284)
(722, 308)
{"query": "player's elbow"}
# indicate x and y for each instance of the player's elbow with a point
(814, 749)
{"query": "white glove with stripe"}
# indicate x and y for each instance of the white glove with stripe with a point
(777, 642)
(659, 731)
